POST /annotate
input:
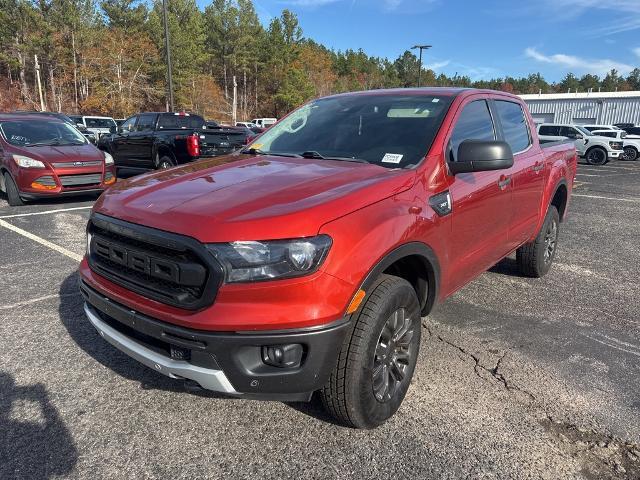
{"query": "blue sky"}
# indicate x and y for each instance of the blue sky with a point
(479, 38)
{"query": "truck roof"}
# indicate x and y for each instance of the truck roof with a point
(442, 91)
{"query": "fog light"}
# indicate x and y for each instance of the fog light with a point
(283, 356)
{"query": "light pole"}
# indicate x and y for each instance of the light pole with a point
(421, 47)
(168, 53)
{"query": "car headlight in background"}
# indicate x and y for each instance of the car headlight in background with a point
(108, 159)
(27, 162)
(271, 260)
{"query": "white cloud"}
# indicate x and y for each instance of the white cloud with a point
(636, 51)
(629, 11)
(597, 66)
(437, 65)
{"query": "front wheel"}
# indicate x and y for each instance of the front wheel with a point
(535, 258)
(378, 356)
(630, 153)
(13, 194)
(596, 156)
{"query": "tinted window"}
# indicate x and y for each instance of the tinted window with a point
(128, 124)
(146, 123)
(180, 122)
(569, 132)
(514, 125)
(391, 130)
(552, 130)
(591, 129)
(474, 123)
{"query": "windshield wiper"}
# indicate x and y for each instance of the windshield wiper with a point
(319, 156)
(43, 144)
(257, 151)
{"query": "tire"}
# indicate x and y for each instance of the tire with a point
(630, 154)
(597, 156)
(535, 258)
(380, 349)
(164, 162)
(13, 194)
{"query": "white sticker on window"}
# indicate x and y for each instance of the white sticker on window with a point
(392, 158)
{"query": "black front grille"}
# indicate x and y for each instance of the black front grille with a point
(165, 267)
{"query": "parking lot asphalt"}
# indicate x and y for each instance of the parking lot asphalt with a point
(517, 378)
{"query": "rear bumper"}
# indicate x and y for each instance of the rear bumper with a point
(230, 363)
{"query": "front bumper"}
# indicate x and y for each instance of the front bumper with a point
(615, 153)
(230, 363)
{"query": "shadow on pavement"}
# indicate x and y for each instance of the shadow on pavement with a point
(34, 441)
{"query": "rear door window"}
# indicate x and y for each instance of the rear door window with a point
(146, 122)
(514, 125)
(474, 123)
(551, 130)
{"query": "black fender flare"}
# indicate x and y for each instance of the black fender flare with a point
(562, 182)
(431, 263)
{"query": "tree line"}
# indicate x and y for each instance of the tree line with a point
(107, 57)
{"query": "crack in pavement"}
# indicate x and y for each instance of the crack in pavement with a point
(603, 456)
(478, 367)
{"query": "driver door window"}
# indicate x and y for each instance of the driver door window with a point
(474, 123)
(128, 125)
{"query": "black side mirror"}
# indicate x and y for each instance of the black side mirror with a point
(481, 156)
(113, 129)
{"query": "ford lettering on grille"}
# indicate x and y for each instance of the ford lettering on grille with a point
(138, 261)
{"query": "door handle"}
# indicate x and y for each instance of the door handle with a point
(504, 181)
(538, 166)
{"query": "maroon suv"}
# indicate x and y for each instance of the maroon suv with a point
(45, 157)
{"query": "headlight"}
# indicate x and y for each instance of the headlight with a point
(270, 260)
(108, 159)
(27, 162)
(615, 145)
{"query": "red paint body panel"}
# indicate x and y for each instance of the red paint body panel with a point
(367, 210)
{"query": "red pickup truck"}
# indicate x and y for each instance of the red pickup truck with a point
(305, 262)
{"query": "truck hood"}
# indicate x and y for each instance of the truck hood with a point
(62, 153)
(251, 198)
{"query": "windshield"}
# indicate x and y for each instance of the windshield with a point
(93, 122)
(388, 130)
(31, 133)
(583, 130)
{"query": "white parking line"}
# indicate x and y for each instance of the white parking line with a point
(590, 175)
(45, 212)
(632, 200)
(41, 241)
(36, 300)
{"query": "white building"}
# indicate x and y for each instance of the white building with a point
(603, 108)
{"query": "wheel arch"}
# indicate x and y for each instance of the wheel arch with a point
(560, 198)
(417, 263)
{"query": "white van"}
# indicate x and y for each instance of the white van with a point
(264, 122)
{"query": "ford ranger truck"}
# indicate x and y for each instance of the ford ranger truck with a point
(305, 262)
